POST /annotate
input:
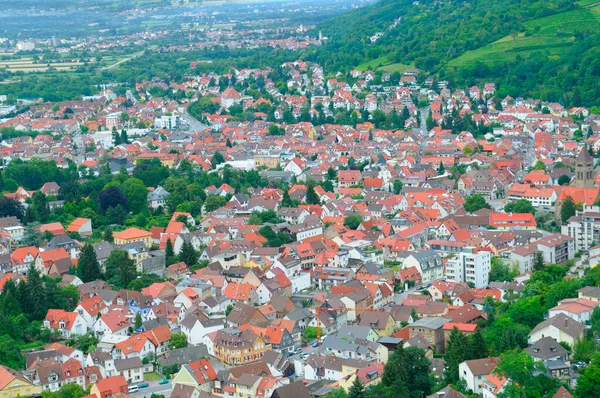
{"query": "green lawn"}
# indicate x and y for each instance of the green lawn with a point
(153, 376)
(585, 3)
(551, 34)
(395, 68)
(373, 64)
(384, 64)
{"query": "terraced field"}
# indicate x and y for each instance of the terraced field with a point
(550, 34)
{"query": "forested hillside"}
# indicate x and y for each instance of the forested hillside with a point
(533, 40)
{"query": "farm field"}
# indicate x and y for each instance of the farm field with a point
(550, 34)
(27, 64)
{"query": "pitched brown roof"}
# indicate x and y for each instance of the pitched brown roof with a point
(483, 366)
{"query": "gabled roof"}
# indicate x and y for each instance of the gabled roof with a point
(562, 322)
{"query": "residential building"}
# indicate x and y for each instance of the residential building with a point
(238, 348)
(560, 327)
(14, 384)
(471, 266)
(583, 228)
(556, 248)
(110, 387)
(475, 371)
(132, 235)
(428, 263)
(432, 329)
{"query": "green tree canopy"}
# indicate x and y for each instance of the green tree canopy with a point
(88, 268)
(475, 202)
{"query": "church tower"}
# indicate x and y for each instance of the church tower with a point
(584, 170)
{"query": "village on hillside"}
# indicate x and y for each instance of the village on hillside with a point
(286, 233)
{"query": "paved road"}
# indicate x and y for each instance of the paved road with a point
(190, 124)
(424, 114)
(154, 388)
(128, 58)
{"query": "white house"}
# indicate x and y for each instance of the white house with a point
(578, 309)
(475, 371)
(66, 323)
(196, 330)
(114, 322)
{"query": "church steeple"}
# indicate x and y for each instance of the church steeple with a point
(584, 169)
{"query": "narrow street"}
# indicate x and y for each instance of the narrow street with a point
(424, 114)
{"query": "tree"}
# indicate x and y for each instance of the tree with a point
(527, 377)
(136, 194)
(188, 254)
(214, 202)
(357, 390)
(458, 350)
(441, 170)
(479, 347)
(310, 333)
(337, 393)
(564, 180)
(32, 295)
(138, 320)
(527, 311)
(124, 137)
(88, 268)
(274, 130)
(178, 340)
(584, 349)
(116, 215)
(112, 196)
(311, 195)
(567, 210)
(86, 343)
(32, 236)
(331, 173)
(500, 272)
(538, 262)
(273, 239)
(407, 373)
(116, 137)
(286, 201)
(217, 159)
(398, 186)
(475, 202)
(520, 206)
(120, 269)
(539, 165)
(68, 390)
(353, 220)
(9, 207)
(108, 235)
(588, 385)
(10, 355)
(561, 290)
(169, 253)
(39, 207)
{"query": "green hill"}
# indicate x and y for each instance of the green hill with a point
(552, 34)
(522, 45)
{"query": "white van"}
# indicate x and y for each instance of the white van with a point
(133, 389)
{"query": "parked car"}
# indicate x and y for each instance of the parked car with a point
(143, 385)
(164, 381)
